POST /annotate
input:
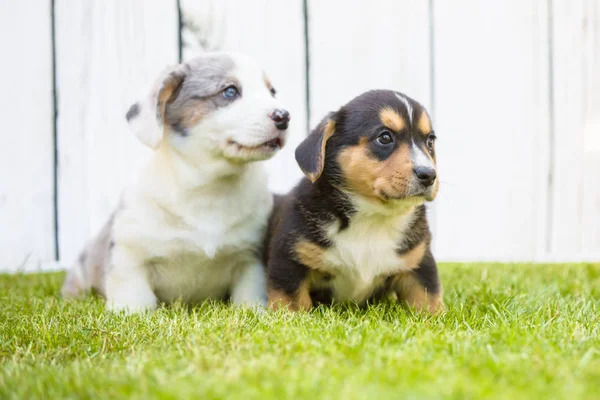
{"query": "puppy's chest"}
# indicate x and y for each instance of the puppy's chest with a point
(363, 255)
(217, 233)
(212, 227)
(201, 258)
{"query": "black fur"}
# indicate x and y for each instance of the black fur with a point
(133, 112)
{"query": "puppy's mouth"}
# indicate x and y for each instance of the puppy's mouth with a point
(273, 144)
(414, 196)
(262, 151)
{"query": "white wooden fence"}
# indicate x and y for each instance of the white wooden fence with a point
(513, 87)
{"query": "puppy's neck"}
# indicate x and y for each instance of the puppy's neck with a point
(203, 170)
(348, 206)
(388, 209)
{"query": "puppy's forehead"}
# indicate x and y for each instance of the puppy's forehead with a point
(249, 71)
(392, 109)
(210, 66)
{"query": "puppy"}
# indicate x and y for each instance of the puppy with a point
(356, 228)
(192, 226)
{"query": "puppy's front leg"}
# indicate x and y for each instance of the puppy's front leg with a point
(288, 285)
(127, 286)
(421, 288)
(250, 288)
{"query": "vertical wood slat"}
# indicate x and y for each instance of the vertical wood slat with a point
(355, 48)
(107, 52)
(491, 102)
(272, 31)
(27, 154)
(575, 214)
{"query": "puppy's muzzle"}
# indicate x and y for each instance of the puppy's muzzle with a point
(281, 118)
(425, 175)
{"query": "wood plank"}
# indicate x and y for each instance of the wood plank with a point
(492, 107)
(354, 49)
(27, 156)
(272, 31)
(575, 217)
(107, 53)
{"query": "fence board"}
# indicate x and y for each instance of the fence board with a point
(107, 52)
(272, 31)
(354, 48)
(27, 156)
(575, 214)
(491, 102)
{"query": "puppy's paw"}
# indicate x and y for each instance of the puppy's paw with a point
(250, 288)
(130, 296)
(256, 301)
(130, 308)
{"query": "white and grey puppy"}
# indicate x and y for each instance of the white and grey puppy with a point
(191, 226)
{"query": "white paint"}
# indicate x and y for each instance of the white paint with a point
(272, 31)
(575, 213)
(354, 48)
(106, 53)
(491, 116)
(27, 150)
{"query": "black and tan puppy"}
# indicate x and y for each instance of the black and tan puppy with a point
(356, 227)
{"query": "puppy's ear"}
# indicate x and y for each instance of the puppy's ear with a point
(147, 116)
(310, 154)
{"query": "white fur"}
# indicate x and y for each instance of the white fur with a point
(191, 226)
(364, 252)
(409, 109)
(419, 158)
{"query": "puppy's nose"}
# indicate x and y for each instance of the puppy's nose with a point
(281, 118)
(425, 175)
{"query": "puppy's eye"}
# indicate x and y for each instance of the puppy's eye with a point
(430, 141)
(231, 92)
(385, 138)
(273, 91)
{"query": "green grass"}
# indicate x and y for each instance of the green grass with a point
(509, 331)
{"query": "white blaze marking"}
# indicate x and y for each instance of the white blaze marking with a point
(408, 106)
(419, 158)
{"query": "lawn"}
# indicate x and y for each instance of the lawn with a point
(509, 331)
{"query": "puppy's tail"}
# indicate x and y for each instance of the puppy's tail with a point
(78, 282)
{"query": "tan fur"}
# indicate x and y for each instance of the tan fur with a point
(310, 255)
(268, 83)
(168, 91)
(424, 124)
(375, 179)
(412, 258)
(329, 131)
(192, 114)
(300, 301)
(390, 118)
(409, 289)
